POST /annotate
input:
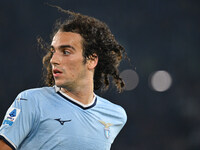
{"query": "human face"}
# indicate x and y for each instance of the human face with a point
(68, 67)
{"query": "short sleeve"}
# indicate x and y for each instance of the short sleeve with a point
(19, 120)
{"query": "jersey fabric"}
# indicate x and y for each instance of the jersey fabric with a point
(46, 119)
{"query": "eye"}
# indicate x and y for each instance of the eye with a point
(66, 52)
(52, 50)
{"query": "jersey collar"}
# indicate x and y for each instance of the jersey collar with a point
(72, 100)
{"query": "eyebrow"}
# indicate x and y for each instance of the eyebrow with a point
(64, 46)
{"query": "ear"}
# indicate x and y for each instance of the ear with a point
(92, 61)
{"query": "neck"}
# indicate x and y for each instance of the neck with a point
(83, 94)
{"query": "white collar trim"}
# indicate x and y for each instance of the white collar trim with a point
(58, 89)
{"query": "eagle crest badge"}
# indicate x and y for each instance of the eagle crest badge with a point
(106, 128)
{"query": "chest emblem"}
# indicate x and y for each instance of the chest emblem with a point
(62, 121)
(106, 128)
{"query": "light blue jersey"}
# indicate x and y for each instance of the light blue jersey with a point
(47, 119)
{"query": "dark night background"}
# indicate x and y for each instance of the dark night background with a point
(157, 35)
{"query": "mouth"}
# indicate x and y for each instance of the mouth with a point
(56, 72)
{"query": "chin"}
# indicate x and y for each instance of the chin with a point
(58, 84)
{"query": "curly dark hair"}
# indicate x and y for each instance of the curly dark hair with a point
(97, 39)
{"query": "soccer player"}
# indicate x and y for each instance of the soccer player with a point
(67, 114)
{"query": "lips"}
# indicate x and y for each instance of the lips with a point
(56, 72)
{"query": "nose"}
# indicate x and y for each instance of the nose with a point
(55, 59)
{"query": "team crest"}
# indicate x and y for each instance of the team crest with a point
(106, 128)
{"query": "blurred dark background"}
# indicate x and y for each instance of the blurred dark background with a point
(157, 35)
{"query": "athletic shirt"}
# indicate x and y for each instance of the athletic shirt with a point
(47, 119)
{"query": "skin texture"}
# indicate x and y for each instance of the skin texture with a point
(69, 70)
(4, 146)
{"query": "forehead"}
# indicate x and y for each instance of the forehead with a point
(66, 38)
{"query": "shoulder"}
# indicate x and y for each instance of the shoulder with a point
(112, 108)
(109, 105)
(38, 90)
(35, 93)
(32, 99)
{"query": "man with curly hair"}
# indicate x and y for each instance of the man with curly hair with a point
(67, 114)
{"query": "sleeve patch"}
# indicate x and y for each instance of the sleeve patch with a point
(11, 116)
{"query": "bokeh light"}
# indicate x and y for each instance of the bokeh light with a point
(160, 81)
(130, 78)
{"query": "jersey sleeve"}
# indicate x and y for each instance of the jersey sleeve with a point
(19, 121)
